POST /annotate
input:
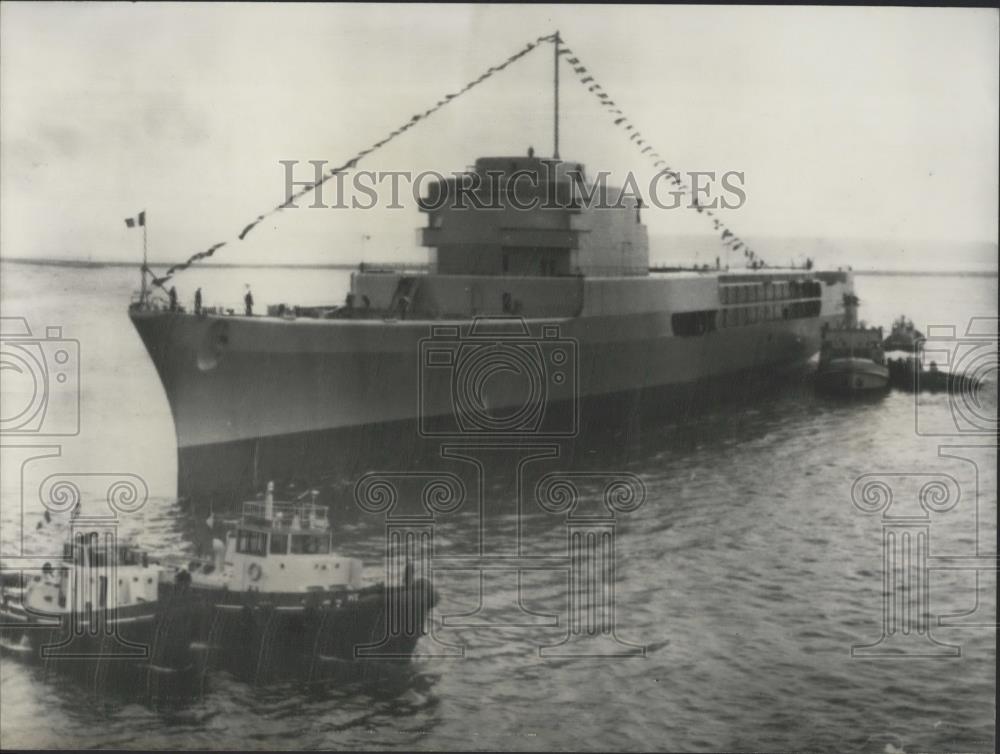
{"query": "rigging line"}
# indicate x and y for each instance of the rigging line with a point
(622, 121)
(447, 99)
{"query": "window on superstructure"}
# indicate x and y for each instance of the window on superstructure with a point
(279, 544)
(308, 544)
(687, 324)
(251, 542)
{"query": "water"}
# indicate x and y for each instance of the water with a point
(748, 574)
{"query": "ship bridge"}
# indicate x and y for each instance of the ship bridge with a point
(513, 236)
(532, 217)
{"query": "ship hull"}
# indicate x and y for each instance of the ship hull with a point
(267, 398)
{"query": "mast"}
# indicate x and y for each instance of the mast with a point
(142, 289)
(555, 78)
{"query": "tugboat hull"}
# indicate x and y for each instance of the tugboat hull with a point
(847, 376)
(262, 637)
(139, 649)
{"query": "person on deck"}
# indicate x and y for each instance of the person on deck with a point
(172, 293)
(197, 301)
(248, 300)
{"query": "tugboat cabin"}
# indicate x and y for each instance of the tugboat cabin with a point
(98, 573)
(856, 343)
(286, 547)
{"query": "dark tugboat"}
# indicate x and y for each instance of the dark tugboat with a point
(903, 337)
(851, 359)
(104, 612)
(277, 600)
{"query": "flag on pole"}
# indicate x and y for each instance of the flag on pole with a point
(140, 220)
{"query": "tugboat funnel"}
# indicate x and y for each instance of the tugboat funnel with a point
(269, 501)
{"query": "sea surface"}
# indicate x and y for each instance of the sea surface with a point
(747, 575)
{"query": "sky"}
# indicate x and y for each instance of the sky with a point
(848, 123)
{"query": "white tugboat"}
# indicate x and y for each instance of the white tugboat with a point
(104, 610)
(277, 597)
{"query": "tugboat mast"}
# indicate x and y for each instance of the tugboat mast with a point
(555, 119)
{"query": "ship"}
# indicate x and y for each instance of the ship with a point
(524, 323)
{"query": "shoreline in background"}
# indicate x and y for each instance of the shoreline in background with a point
(344, 266)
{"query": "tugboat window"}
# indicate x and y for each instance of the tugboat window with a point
(306, 544)
(251, 542)
(279, 544)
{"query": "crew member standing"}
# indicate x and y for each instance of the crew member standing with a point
(173, 298)
(248, 300)
(197, 301)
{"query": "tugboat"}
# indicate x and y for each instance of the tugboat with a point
(903, 337)
(851, 359)
(104, 611)
(277, 598)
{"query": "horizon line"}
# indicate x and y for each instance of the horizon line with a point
(88, 263)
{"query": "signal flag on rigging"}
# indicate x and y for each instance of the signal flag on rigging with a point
(131, 222)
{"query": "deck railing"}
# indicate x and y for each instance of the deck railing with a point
(407, 267)
(306, 516)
